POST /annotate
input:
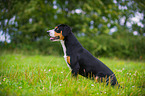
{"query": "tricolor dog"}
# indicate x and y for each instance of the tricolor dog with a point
(79, 59)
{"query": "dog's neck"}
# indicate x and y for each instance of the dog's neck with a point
(69, 44)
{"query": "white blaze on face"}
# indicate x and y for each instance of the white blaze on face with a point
(51, 33)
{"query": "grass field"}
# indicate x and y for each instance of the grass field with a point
(36, 75)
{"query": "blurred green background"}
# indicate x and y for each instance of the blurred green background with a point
(108, 28)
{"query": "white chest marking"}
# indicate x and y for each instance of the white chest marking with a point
(64, 50)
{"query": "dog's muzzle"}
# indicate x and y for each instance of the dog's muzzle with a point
(52, 36)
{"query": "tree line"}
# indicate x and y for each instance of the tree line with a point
(27, 21)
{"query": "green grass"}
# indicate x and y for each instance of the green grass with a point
(49, 75)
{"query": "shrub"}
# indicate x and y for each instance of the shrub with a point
(128, 46)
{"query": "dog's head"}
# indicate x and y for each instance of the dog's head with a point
(59, 33)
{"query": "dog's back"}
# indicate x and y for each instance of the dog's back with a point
(79, 59)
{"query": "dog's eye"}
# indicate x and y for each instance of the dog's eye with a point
(57, 30)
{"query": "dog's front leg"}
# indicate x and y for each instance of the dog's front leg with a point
(75, 69)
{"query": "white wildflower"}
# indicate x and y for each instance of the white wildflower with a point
(4, 79)
(119, 70)
(92, 84)
(20, 87)
(135, 73)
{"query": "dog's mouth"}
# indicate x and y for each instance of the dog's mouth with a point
(54, 38)
(53, 35)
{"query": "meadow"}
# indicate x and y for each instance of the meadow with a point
(38, 75)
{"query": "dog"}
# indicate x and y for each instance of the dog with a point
(78, 59)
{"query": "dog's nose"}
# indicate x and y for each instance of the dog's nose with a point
(48, 32)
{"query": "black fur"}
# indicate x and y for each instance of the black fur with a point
(82, 61)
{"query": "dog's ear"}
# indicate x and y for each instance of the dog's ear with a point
(66, 30)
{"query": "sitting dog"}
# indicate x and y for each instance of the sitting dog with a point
(79, 59)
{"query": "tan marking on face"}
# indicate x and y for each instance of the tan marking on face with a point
(59, 34)
(68, 59)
